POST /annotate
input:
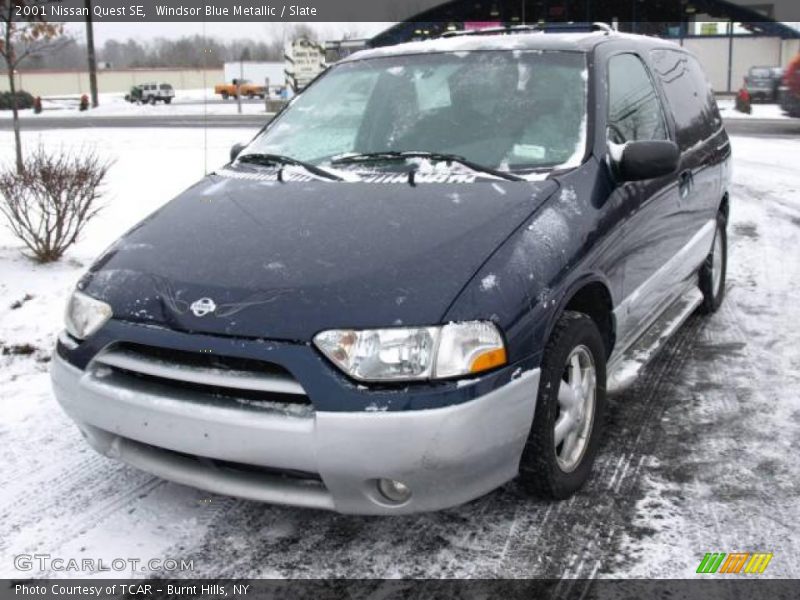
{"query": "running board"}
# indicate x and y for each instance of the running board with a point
(623, 368)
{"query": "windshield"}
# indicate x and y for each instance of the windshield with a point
(500, 109)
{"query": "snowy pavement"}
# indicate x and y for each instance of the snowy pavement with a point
(760, 111)
(185, 103)
(700, 454)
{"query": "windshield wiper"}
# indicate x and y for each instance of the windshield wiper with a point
(434, 156)
(282, 161)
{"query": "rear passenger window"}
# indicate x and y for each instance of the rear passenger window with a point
(634, 109)
(689, 96)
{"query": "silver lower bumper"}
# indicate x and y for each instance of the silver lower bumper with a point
(446, 456)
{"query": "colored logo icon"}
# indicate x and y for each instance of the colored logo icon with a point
(735, 562)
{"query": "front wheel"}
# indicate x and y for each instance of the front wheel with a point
(567, 424)
(715, 269)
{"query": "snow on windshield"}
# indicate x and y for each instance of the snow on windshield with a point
(508, 110)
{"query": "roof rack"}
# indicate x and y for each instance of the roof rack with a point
(537, 28)
(600, 26)
(493, 30)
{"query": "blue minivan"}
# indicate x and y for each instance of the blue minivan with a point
(413, 285)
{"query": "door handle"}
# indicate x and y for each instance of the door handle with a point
(685, 183)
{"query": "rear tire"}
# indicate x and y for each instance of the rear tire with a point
(715, 269)
(570, 406)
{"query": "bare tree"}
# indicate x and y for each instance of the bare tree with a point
(24, 36)
(49, 203)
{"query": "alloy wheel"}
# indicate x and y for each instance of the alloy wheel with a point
(576, 405)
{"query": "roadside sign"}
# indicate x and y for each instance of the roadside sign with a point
(305, 60)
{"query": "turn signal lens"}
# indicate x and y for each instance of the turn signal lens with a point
(488, 360)
(462, 345)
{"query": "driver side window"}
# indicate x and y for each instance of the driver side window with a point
(634, 108)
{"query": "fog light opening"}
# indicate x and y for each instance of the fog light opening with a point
(395, 492)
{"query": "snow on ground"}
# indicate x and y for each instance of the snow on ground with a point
(759, 111)
(729, 481)
(150, 167)
(186, 102)
(699, 456)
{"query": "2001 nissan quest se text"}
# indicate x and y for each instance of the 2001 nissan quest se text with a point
(409, 287)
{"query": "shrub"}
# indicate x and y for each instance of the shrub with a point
(51, 201)
(24, 100)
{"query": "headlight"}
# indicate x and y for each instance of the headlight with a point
(415, 353)
(85, 315)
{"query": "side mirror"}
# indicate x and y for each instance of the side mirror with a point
(638, 161)
(236, 150)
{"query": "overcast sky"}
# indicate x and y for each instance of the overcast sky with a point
(223, 31)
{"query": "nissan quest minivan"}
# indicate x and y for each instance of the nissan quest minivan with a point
(412, 286)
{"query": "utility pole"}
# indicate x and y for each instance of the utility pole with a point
(239, 85)
(90, 53)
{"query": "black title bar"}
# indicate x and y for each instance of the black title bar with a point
(666, 11)
(709, 587)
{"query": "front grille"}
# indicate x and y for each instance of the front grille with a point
(200, 377)
(241, 467)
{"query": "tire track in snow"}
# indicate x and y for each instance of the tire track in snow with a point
(85, 500)
(729, 486)
(71, 483)
(622, 476)
(590, 520)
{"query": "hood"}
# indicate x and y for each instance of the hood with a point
(287, 260)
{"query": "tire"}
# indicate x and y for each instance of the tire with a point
(225, 95)
(549, 470)
(716, 263)
(250, 95)
(168, 100)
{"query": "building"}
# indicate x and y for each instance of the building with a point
(728, 36)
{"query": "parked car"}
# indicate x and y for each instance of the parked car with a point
(150, 93)
(762, 83)
(400, 302)
(247, 89)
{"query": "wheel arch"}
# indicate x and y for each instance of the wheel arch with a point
(591, 296)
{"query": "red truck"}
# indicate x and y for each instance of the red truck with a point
(790, 90)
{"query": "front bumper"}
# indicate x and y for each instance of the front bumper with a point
(446, 456)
